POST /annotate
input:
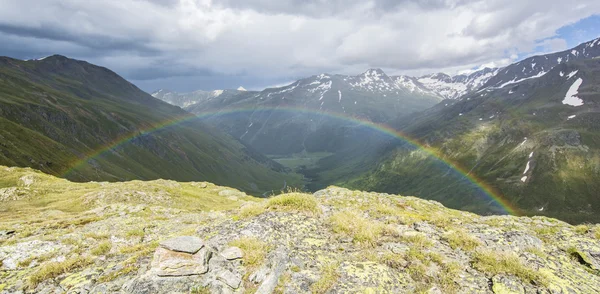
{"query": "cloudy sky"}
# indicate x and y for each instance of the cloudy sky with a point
(185, 45)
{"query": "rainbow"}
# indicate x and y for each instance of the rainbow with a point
(488, 190)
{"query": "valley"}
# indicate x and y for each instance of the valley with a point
(441, 131)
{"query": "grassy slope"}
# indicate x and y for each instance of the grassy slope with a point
(56, 111)
(564, 170)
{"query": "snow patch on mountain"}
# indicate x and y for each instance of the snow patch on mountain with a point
(571, 96)
(515, 81)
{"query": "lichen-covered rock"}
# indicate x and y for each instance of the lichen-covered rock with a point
(355, 242)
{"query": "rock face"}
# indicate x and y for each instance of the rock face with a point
(333, 241)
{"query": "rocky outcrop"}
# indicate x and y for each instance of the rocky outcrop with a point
(333, 241)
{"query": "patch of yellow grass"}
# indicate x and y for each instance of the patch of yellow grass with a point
(54, 269)
(582, 229)
(254, 250)
(419, 240)
(362, 230)
(294, 201)
(251, 210)
(505, 263)
(329, 276)
(461, 239)
(135, 233)
(103, 248)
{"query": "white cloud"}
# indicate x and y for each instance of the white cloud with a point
(290, 38)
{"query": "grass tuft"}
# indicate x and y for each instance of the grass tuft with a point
(54, 269)
(461, 239)
(505, 263)
(362, 230)
(254, 250)
(581, 229)
(329, 276)
(251, 210)
(294, 201)
(103, 248)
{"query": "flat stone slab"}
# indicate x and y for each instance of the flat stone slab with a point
(187, 244)
(171, 263)
(232, 253)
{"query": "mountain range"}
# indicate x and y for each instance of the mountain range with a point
(523, 138)
(519, 129)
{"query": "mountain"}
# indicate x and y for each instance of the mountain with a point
(537, 66)
(315, 114)
(534, 138)
(74, 119)
(196, 237)
(453, 87)
(187, 99)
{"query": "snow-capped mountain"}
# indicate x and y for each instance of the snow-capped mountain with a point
(537, 66)
(271, 123)
(187, 99)
(453, 87)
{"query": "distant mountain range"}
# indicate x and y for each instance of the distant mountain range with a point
(374, 81)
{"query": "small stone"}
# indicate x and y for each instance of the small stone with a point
(7, 233)
(230, 279)
(232, 253)
(187, 244)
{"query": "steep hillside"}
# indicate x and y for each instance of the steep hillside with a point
(165, 237)
(538, 66)
(74, 119)
(536, 141)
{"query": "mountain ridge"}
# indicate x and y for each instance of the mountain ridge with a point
(57, 111)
